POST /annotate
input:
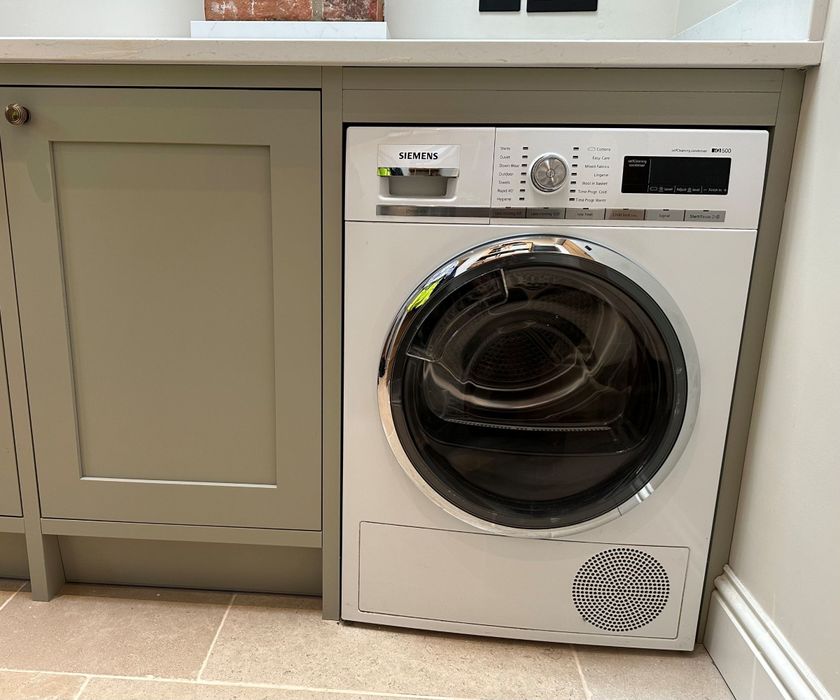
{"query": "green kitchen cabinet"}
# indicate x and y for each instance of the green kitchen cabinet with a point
(167, 249)
(9, 490)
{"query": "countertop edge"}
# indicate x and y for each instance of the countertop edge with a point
(418, 53)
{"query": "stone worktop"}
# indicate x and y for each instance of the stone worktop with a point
(386, 52)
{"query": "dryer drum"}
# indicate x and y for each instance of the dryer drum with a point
(537, 391)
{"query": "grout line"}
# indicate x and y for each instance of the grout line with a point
(11, 597)
(587, 693)
(232, 684)
(216, 637)
(78, 695)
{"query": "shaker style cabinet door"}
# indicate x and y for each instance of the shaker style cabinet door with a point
(9, 489)
(167, 251)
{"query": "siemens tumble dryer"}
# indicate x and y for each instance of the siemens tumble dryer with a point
(541, 334)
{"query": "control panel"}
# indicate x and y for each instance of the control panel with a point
(709, 177)
(686, 178)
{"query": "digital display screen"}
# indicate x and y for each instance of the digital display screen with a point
(675, 175)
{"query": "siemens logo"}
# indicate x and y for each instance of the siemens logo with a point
(417, 155)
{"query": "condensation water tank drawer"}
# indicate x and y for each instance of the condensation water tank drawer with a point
(493, 580)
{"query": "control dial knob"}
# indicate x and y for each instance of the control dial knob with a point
(548, 174)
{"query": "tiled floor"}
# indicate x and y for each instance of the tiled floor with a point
(108, 643)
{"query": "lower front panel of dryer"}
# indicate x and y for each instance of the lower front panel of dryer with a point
(551, 590)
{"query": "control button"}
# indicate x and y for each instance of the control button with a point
(548, 173)
(546, 213)
(717, 217)
(665, 214)
(585, 214)
(626, 214)
(509, 213)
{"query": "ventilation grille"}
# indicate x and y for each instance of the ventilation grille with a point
(621, 590)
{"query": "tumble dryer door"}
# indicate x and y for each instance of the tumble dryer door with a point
(536, 385)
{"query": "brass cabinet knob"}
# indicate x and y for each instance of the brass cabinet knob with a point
(16, 114)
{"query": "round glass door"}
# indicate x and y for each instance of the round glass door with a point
(532, 384)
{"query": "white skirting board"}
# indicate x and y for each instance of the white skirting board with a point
(288, 30)
(751, 653)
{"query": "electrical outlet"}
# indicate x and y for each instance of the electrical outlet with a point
(499, 5)
(562, 5)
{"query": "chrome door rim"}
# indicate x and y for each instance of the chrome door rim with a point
(510, 247)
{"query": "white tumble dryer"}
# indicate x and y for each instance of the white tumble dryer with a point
(541, 333)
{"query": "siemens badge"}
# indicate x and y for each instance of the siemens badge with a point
(419, 156)
(416, 155)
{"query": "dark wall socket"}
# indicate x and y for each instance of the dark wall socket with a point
(562, 5)
(499, 5)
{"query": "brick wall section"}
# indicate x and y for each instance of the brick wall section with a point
(258, 9)
(332, 10)
(352, 9)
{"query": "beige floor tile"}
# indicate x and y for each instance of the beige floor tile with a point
(118, 689)
(632, 674)
(8, 587)
(113, 631)
(282, 640)
(38, 686)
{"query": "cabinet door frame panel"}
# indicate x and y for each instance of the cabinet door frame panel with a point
(288, 123)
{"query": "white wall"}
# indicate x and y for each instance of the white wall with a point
(455, 19)
(756, 19)
(97, 18)
(616, 19)
(693, 11)
(786, 550)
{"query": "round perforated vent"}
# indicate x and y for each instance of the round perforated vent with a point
(621, 590)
